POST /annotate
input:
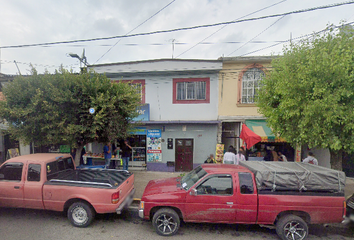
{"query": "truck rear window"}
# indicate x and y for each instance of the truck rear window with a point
(59, 166)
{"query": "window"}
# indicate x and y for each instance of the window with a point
(34, 173)
(56, 167)
(250, 80)
(246, 183)
(217, 185)
(11, 172)
(191, 90)
(139, 85)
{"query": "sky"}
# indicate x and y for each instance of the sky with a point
(28, 22)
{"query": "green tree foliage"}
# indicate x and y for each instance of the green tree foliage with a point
(54, 108)
(308, 96)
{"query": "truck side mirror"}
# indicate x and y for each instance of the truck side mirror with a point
(193, 192)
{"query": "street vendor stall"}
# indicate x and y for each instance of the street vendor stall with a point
(97, 159)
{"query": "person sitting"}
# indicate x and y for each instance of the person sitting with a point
(282, 157)
(310, 159)
(210, 159)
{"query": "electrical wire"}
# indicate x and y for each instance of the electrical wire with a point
(185, 28)
(257, 35)
(227, 25)
(133, 30)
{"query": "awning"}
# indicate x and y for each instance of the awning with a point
(260, 128)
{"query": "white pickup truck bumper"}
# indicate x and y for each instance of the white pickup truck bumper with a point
(126, 202)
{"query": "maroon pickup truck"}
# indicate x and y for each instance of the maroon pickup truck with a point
(51, 182)
(287, 195)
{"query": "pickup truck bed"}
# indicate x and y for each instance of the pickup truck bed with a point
(51, 182)
(101, 178)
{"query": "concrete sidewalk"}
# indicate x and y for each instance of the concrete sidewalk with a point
(142, 177)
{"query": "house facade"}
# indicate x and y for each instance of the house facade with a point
(239, 81)
(178, 123)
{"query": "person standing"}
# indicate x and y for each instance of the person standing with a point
(310, 159)
(229, 156)
(239, 157)
(107, 150)
(126, 153)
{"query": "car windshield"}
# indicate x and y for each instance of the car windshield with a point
(192, 177)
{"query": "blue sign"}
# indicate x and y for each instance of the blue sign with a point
(144, 113)
(92, 110)
(155, 133)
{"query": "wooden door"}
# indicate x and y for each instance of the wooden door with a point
(184, 155)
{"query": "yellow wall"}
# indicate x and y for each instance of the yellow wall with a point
(228, 88)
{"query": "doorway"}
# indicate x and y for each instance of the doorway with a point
(184, 155)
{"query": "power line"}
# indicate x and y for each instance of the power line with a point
(257, 35)
(296, 39)
(134, 29)
(227, 25)
(185, 28)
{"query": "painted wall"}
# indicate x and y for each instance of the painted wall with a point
(229, 86)
(204, 142)
(159, 94)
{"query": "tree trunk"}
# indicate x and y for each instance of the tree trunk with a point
(336, 159)
(78, 154)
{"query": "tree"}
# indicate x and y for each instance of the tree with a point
(54, 108)
(308, 96)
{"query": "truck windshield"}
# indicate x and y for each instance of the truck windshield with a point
(192, 177)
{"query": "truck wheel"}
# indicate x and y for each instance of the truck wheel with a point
(291, 227)
(166, 222)
(80, 214)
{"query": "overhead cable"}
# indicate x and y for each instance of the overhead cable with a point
(185, 28)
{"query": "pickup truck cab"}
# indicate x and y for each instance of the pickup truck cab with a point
(224, 193)
(51, 182)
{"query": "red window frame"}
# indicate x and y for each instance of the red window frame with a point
(207, 89)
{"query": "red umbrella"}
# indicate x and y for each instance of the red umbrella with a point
(249, 136)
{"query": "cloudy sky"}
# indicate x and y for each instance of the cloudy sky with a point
(28, 22)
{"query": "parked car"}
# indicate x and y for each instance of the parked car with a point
(350, 210)
(51, 182)
(285, 194)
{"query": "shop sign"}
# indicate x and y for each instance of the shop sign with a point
(154, 153)
(139, 131)
(144, 113)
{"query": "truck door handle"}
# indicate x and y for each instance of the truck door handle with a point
(229, 203)
(17, 187)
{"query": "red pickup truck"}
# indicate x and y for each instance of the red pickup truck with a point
(287, 195)
(51, 182)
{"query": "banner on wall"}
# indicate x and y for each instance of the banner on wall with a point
(298, 153)
(219, 155)
(154, 153)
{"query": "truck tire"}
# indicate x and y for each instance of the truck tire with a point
(292, 227)
(80, 214)
(166, 222)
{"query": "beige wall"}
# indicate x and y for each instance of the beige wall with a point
(229, 88)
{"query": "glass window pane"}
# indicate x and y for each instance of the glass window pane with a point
(34, 172)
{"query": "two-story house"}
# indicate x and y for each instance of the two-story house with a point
(239, 81)
(179, 122)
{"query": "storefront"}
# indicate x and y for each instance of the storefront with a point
(268, 145)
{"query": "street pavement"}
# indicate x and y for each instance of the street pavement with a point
(142, 177)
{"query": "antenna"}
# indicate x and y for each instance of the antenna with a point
(173, 45)
(17, 67)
